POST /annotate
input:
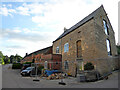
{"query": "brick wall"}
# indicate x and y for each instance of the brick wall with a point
(54, 61)
(57, 61)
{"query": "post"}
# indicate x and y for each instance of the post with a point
(36, 73)
(62, 83)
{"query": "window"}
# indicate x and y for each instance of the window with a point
(37, 59)
(57, 50)
(105, 27)
(108, 47)
(66, 47)
(45, 65)
(66, 65)
(79, 49)
(33, 60)
(56, 62)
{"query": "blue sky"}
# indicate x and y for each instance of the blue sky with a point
(30, 26)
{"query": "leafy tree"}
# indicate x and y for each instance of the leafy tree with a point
(6, 59)
(12, 58)
(1, 58)
(18, 58)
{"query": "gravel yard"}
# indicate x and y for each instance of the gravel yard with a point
(13, 79)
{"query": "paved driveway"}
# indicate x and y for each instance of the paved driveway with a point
(13, 79)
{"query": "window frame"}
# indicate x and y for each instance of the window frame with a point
(57, 49)
(66, 65)
(105, 25)
(66, 47)
(108, 45)
(56, 63)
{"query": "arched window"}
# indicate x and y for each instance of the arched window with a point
(105, 27)
(108, 47)
(57, 50)
(66, 47)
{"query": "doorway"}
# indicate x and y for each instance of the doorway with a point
(79, 49)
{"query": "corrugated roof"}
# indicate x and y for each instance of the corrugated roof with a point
(86, 19)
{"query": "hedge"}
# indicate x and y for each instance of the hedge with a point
(27, 63)
(16, 66)
(40, 69)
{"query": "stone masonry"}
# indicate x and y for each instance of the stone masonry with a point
(90, 31)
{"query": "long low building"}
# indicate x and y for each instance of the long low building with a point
(42, 56)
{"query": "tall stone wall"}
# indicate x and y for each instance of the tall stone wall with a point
(100, 36)
(85, 33)
(93, 44)
(106, 63)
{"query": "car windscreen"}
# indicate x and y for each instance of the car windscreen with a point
(29, 68)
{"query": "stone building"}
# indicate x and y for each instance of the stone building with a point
(90, 40)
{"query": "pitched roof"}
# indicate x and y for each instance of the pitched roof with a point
(44, 51)
(80, 23)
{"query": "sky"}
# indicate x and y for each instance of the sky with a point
(30, 26)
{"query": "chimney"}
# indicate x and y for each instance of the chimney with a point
(26, 54)
(65, 29)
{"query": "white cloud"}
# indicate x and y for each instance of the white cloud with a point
(66, 13)
(16, 41)
(23, 10)
(26, 30)
(10, 5)
(3, 5)
(16, 31)
(5, 11)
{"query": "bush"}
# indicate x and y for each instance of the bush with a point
(40, 69)
(27, 63)
(88, 66)
(16, 66)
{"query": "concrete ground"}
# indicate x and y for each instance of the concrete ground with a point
(13, 79)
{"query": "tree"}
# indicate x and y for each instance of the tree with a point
(1, 58)
(18, 58)
(6, 59)
(12, 58)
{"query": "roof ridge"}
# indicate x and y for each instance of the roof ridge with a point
(39, 50)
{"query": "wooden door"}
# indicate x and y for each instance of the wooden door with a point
(79, 49)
